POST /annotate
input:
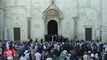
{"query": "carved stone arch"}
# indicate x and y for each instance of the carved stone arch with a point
(52, 13)
(52, 7)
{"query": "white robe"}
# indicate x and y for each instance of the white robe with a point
(85, 57)
(37, 56)
(23, 58)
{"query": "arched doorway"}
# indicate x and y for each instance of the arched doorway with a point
(52, 27)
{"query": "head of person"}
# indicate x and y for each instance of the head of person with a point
(89, 52)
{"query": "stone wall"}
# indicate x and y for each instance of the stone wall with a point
(88, 12)
(104, 20)
(1, 19)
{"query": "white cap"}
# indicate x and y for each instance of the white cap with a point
(85, 52)
(96, 54)
(26, 51)
(69, 54)
(89, 51)
(92, 55)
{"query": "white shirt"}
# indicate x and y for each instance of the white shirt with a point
(27, 55)
(7, 45)
(96, 56)
(37, 56)
(68, 58)
(48, 58)
(23, 58)
(36, 47)
(55, 46)
(105, 47)
(1, 51)
(85, 57)
(44, 46)
(92, 55)
(64, 52)
(58, 47)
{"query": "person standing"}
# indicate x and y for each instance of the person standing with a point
(105, 56)
(85, 56)
(23, 57)
(38, 56)
(89, 56)
(1, 52)
(10, 53)
(96, 56)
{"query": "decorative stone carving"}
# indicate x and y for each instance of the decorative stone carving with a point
(17, 23)
(88, 13)
(88, 24)
(52, 13)
(53, 9)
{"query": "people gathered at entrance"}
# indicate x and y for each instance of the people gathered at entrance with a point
(53, 48)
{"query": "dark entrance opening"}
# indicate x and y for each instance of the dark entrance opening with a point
(52, 27)
(17, 34)
(88, 34)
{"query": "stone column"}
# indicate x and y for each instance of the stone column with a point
(75, 27)
(2, 22)
(6, 34)
(5, 30)
(97, 34)
(29, 27)
(100, 32)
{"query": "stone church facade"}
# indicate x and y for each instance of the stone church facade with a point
(75, 19)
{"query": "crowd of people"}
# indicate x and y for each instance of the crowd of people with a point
(56, 48)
